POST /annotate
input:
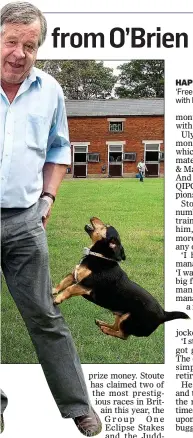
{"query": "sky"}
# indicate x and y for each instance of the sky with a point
(114, 65)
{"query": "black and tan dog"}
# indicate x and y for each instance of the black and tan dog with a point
(100, 279)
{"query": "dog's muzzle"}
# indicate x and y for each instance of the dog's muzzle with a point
(88, 228)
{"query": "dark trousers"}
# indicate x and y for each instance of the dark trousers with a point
(141, 173)
(25, 265)
(4, 401)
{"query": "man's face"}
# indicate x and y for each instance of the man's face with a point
(19, 45)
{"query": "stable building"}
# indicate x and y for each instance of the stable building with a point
(110, 137)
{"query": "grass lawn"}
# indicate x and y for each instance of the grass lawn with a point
(137, 211)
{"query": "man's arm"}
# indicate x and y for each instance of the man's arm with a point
(58, 155)
(53, 174)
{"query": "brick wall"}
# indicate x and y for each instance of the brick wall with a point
(95, 130)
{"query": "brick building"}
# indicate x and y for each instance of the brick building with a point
(109, 137)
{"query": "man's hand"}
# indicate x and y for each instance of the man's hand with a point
(47, 212)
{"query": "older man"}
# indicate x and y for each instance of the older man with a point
(142, 168)
(35, 153)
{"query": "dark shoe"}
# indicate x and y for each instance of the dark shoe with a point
(1, 424)
(90, 424)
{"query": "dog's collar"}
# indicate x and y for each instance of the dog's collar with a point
(87, 251)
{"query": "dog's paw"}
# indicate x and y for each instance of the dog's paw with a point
(100, 323)
(104, 329)
(59, 299)
(97, 322)
(54, 292)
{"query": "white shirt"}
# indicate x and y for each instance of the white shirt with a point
(34, 130)
(141, 166)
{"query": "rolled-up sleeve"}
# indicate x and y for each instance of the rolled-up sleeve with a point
(59, 151)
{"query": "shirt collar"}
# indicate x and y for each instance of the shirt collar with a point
(34, 76)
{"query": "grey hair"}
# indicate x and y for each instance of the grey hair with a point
(25, 13)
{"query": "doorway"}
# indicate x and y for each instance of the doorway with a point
(80, 161)
(115, 161)
(152, 159)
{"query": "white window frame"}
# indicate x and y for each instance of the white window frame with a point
(115, 130)
(116, 120)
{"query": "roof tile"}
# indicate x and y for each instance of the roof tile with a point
(115, 107)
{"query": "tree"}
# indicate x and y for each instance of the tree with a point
(141, 78)
(52, 67)
(81, 79)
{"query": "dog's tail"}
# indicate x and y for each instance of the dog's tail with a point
(169, 316)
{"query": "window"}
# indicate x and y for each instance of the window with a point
(80, 149)
(129, 156)
(115, 148)
(93, 158)
(115, 126)
(152, 147)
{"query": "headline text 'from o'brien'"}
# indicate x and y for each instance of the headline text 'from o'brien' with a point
(133, 37)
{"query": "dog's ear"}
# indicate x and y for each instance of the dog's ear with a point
(118, 250)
